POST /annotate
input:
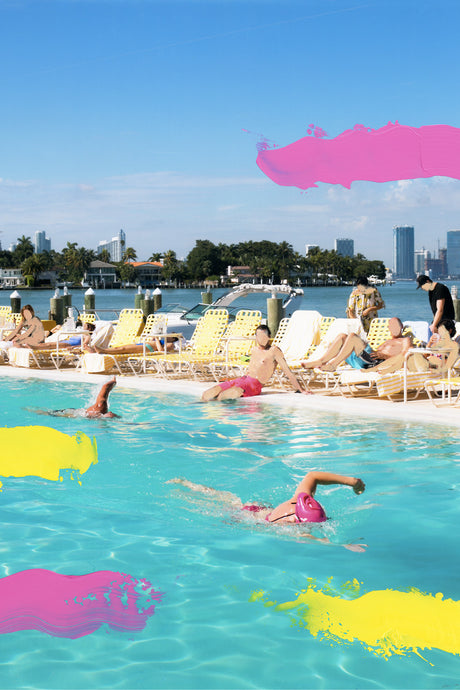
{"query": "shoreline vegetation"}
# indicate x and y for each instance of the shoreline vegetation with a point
(206, 264)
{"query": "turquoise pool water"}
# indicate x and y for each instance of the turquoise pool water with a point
(208, 561)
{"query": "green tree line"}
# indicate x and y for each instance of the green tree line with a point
(271, 261)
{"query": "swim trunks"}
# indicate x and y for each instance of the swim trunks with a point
(75, 340)
(363, 361)
(148, 347)
(250, 385)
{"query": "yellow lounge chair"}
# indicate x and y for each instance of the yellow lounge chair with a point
(234, 347)
(126, 332)
(204, 343)
(410, 377)
(155, 325)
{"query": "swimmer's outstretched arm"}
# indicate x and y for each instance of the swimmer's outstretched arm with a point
(312, 479)
(286, 510)
(225, 496)
(100, 407)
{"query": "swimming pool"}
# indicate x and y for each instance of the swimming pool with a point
(213, 626)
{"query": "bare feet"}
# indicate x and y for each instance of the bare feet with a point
(327, 367)
(311, 364)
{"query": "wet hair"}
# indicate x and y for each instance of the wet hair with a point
(265, 328)
(29, 307)
(449, 325)
(362, 280)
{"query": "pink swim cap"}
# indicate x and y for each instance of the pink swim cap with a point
(309, 510)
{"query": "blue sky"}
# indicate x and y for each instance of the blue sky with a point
(145, 115)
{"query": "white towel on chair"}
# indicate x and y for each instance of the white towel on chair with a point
(19, 356)
(94, 363)
(302, 331)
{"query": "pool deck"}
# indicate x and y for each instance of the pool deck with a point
(416, 411)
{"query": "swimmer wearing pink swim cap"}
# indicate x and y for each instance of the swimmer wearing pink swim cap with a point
(302, 507)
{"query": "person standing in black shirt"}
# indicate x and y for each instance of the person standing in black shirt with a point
(440, 301)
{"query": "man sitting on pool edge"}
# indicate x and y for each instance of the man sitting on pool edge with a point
(262, 363)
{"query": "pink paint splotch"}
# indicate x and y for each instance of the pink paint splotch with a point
(74, 605)
(393, 152)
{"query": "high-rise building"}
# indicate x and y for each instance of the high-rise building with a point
(453, 253)
(442, 256)
(309, 247)
(403, 251)
(421, 256)
(42, 242)
(115, 247)
(344, 246)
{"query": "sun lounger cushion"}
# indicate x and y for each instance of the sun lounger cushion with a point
(387, 384)
(302, 331)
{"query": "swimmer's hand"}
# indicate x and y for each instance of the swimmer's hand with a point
(359, 486)
(357, 548)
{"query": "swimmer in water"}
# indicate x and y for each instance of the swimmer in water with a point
(301, 507)
(100, 409)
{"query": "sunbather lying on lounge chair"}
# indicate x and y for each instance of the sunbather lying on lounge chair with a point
(155, 344)
(74, 340)
(443, 341)
(388, 357)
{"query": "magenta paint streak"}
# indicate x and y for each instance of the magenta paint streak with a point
(393, 152)
(74, 605)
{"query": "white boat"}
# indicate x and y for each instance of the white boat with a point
(184, 320)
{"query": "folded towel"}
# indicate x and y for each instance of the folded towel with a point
(93, 363)
(19, 356)
(302, 332)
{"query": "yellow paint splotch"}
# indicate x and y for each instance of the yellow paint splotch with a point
(40, 451)
(386, 621)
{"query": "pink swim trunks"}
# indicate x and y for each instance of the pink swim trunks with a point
(249, 385)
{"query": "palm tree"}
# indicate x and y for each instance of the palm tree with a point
(24, 249)
(156, 256)
(129, 254)
(33, 266)
(104, 255)
(77, 260)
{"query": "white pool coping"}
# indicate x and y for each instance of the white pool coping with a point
(416, 411)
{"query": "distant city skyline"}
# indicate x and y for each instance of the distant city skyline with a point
(118, 243)
(152, 122)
